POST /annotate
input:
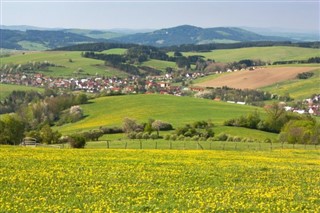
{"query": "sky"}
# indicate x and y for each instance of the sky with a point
(299, 15)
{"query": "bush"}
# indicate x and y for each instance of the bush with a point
(173, 137)
(181, 138)
(230, 138)
(132, 135)
(222, 137)
(139, 135)
(167, 137)
(111, 130)
(305, 75)
(237, 139)
(154, 136)
(146, 136)
(77, 141)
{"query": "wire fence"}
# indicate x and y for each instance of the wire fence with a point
(196, 145)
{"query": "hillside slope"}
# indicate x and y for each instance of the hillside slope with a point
(187, 34)
(40, 39)
(110, 111)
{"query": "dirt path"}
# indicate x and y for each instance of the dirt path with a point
(257, 78)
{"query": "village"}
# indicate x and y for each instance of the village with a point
(133, 85)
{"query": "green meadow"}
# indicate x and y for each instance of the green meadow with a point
(117, 51)
(297, 88)
(160, 65)
(268, 54)
(70, 61)
(110, 111)
(6, 89)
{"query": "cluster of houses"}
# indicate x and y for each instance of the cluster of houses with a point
(128, 85)
(311, 106)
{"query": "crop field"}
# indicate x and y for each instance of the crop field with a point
(268, 54)
(68, 180)
(110, 111)
(257, 78)
(68, 68)
(6, 89)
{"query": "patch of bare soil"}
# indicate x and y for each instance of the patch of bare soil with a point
(257, 78)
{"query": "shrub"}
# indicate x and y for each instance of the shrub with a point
(181, 138)
(139, 135)
(305, 75)
(222, 137)
(77, 141)
(195, 138)
(146, 136)
(154, 136)
(237, 139)
(230, 138)
(167, 137)
(132, 135)
(111, 130)
(267, 140)
(173, 137)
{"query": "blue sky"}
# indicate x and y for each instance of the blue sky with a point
(300, 15)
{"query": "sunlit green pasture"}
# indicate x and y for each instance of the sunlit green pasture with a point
(297, 88)
(160, 65)
(91, 180)
(267, 54)
(6, 89)
(110, 111)
(71, 62)
(118, 51)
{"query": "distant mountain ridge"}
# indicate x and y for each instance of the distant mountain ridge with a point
(35, 38)
(40, 39)
(187, 34)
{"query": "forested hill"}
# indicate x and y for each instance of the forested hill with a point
(40, 39)
(98, 47)
(187, 34)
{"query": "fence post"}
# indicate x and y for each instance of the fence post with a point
(140, 144)
(108, 146)
(156, 144)
(271, 146)
(126, 145)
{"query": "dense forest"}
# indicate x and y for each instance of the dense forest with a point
(97, 47)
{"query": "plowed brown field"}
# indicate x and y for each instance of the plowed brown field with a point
(257, 78)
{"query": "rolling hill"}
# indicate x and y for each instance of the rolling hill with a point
(40, 39)
(110, 111)
(187, 34)
(33, 38)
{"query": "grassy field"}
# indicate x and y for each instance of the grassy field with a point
(297, 88)
(268, 54)
(6, 89)
(67, 180)
(89, 66)
(118, 51)
(160, 65)
(110, 111)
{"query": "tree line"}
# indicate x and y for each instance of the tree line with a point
(293, 128)
(98, 47)
(29, 113)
